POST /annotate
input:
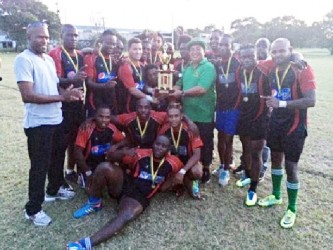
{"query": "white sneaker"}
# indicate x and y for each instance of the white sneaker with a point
(64, 193)
(216, 172)
(224, 178)
(39, 219)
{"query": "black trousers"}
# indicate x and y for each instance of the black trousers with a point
(46, 148)
(206, 130)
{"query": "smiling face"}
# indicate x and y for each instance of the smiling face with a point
(161, 146)
(38, 38)
(175, 117)
(109, 43)
(281, 51)
(197, 53)
(103, 117)
(135, 51)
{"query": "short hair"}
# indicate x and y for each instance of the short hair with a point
(133, 40)
(246, 46)
(108, 32)
(220, 32)
(147, 68)
(282, 39)
(36, 25)
(103, 106)
(263, 40)
(183, 39)
(228, 37)
(65, 27)
(175, 105)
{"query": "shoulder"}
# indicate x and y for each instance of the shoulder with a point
(141, 153)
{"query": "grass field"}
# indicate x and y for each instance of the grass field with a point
(219, 222)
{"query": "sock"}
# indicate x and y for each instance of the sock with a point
(94, 200)
(253, 186)
(292, 190)
(86, 243)
(277, 174)
(69, 171)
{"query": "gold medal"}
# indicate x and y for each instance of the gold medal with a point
(227, 85)
(245, 99)
(153, 186)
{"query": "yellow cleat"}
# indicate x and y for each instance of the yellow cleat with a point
(288, 219)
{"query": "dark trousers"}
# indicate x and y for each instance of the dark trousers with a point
(206, 130)
(46, 148)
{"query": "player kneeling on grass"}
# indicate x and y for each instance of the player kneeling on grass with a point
(186, 145)
(150, 170)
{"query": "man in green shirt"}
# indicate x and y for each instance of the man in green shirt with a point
(197, 90)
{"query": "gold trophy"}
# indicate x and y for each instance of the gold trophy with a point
(165, 74)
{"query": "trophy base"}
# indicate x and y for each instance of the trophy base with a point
(159, 92)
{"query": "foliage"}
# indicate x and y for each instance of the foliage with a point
(246, 30)
(15, 15)
(327, 27)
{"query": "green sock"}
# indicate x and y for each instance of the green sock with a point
(292, 190)
(277, 175)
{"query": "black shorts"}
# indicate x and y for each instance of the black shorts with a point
(256, 130)
(130, 190)
(73, 120)
(291, 145)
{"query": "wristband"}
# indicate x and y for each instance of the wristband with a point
(149, 98)
(282, 104)
(183, 93)
(88, 173)
(182, 171)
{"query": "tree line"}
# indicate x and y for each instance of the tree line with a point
(16, 14)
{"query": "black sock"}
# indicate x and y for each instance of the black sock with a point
(248, 173)
(253, 186)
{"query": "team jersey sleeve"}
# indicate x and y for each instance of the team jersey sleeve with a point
(125, 75)
(56, 56)
(90, 69)
(175, 163)
(196, 142)
(117, 136)
(130, 160)
(82, 138)
(307, 79)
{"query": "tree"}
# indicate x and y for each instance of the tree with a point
(327, 27)
(246, 30)
(15, 15)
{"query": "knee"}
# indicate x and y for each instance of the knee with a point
(104, 168)
(196, 172)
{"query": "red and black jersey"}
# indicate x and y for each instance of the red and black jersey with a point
(67, 68)
(96, 70)
(129, 121)
(142, 172)
(129, 77)
(97, 142)
(295, 83)
(227, 88)
(187, 141)
(251, 105)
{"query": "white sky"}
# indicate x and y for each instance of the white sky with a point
(166, 14)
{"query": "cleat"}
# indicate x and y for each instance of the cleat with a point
(39, 219)
(87, 209)
(239, 170)
(288, 219)
(269, 201)
(74, 246)
(224, 178)
(251, 199)
(243, 182)
(72, 177)
(64, 193)
(216, 172)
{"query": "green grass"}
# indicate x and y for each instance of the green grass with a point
(219, 222)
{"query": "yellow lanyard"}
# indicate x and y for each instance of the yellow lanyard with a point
(136, 70)
(108, 69)
(226, 75)
(247, 81)
(278, 82)
(142, 132)
(75, 65)
(154, 173)
(176, 143)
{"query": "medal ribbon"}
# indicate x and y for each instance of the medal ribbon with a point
(247, 81)
(226, 75)
(76, 65)
(278, 82)
(139, 73)
(108, 69)
(176, 143)
(154, 173)
(142, 132)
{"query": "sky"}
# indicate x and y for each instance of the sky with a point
(167, 14)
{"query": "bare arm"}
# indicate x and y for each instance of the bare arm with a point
(80, 159)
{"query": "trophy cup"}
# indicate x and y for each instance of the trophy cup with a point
(165, 74)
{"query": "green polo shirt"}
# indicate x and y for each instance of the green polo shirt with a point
(199, 108)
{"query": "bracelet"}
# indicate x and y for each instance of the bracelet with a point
(183, 93)
(88, 173)
(182, 171)
(282, 104)
(149, 98)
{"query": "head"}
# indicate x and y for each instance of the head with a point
(150, 75)
(214, 40)
(103, 116)
(281, 51)
(175, 115)
(170, 49)
(135, 49)
(197, 49)
(182, 45)
(247, 56)
(146, 50)
(109, 42)
(157, 41)
(38, 37)
(161, 146)
(262, 48)
(143, 108)
(118, 50)
(69, 36)
(225, 45)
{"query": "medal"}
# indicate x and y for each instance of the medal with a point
(154, 173)
(226, 85)
(245, 99)
(153, 186)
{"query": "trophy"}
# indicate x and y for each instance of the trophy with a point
(165, 74)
